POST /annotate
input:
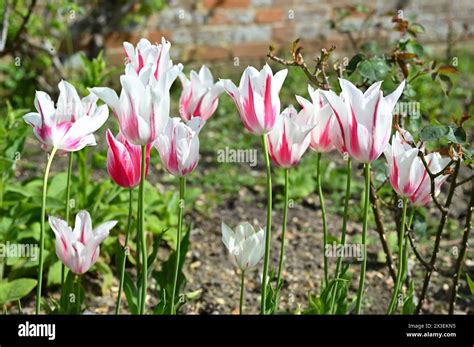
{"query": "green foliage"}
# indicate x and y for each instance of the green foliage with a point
(16, 289)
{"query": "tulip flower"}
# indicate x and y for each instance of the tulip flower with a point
(321, 135)
(70, 125)
(200, 96)
(78, 249)
(246, 248)
(257, 97)
(258, 102)
(146, 55)
(143, 109)
(407, 173)
(123, 161)
(364, 120)
(289, 139)
(178, 146)
(363, 126)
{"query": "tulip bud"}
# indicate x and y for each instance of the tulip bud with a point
(124, 160)
(246, 247)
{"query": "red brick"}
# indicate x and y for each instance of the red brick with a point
(251, 50)
(207, 53)
(269, 15)
(115, 40)
(283, 33)
(225, 3)
(154, 36)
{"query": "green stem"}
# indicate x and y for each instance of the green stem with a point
(344, 229)
(363, 265)
(68, 206)
(42, 230)
(242, 289)
(266, 259)
(141, 198)
(282, 245)
(325, 224)
(78, 294)
(182, 188)
(125, 252)
(82, 165)
(401, 245)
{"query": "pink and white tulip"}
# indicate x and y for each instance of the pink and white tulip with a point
(257, 98)
(363, 120)
(178, 146)
(407, 173)
(149, 61)
(290, 137)
(143, 109)
(200, 95)
(322, 134)
(124, 161)
(70, 125)
(79, 249)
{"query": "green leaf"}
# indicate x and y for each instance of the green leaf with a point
(54, 274)
(352, 66)
(375, 69)
(470, 283)
(434, 132)
(16, 289)
(446, 84)
(457, 135)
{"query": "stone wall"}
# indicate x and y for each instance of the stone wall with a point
(221, 31)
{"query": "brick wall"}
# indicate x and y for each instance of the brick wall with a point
(220, 31)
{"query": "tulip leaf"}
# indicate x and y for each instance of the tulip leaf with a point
(16, 289)
(470, 283)
(375, 69)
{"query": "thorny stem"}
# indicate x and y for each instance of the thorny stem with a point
(374, 201)
(462, 253)
(444, 215)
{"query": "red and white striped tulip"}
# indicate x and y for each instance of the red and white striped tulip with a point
(257, 98)
(124, 161)
(178, 146)
(200, 95)
(70, 125)
(290, 137)
(143, 109)
(407, 173)
(321, 136)
(363, 120)
(79, 249)
(149, 61)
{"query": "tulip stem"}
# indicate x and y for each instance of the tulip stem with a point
(282, 245)
(401, 245)
(344, 229)
(323, 212)
(242, 289)
(182, 188)
(78, 294)
(142, 232)
(42, 230)
(402, 257)
(125, 252)
(363, 265)
(268, 228)
(68, 206)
